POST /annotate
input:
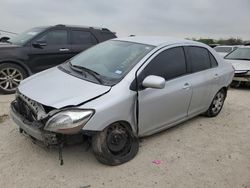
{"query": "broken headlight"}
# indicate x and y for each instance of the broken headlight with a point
(68, 121)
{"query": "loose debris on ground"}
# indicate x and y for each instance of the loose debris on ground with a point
(3, 118)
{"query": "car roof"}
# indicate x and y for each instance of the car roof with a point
(156, 40)
(244, 47)
(73, 26)
(81, 26)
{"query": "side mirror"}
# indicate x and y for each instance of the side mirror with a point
(155, 82)
(39, 44)
(4, 39)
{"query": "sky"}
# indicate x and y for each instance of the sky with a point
(176, 18)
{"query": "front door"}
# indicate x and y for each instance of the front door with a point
(159, 108)
(54, 50)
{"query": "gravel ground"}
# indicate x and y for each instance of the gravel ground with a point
(203, 152)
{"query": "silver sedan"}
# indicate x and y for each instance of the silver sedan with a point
(121, 90)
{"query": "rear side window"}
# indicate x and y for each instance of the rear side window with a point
(55, 37)
(213, 61)
(198, 57)
(169, 64)
(223, 49)
(82, 37)
(107, 35)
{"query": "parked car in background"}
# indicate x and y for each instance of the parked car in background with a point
(121, 90)
(224, 50)
(240, 59)
(41, 48)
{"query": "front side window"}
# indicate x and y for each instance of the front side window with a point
(113, 59)
(239, 54)
(169, 64)
(198, 57)
(55, 37)
(82, 37)
(26, 36)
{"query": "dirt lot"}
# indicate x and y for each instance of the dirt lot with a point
(202, 152)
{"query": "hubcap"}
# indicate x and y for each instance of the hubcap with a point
(218, 102)
(10, 78)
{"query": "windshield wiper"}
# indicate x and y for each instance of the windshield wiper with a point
(96, 75)
(244, 59)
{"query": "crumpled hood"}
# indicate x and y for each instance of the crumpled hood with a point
(240, 65)
(58, 89)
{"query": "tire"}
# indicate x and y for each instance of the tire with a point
(115, 145)
(10, 77)
(217, 104)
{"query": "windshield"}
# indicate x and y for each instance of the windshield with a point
(112, 59)
(223, 49)
(239, 54)
(26, 36)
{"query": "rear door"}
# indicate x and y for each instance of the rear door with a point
(198, 60)
(55, 50)
(158, 108)
(80, 40)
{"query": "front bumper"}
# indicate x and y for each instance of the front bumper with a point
(241, 76)
(48, 138)
(242, 79)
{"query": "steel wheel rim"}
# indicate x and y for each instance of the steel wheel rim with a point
(10, 78)
(218, 102)
(122, 147)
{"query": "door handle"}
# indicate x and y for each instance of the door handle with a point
(63, 49)
(186, 86)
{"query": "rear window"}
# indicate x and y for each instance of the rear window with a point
(223, 49)
(107, 35)
(82, 37)
(198, 57)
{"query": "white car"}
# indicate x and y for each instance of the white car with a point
(240, 59)
(224, 50)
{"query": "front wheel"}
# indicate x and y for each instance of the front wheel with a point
(216, 104)
(115, 145)
(10, 77)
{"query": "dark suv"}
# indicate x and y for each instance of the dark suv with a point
(41, 48)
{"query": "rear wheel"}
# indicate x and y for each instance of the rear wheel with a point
(10, 77)
(216, 104)
(115, 145)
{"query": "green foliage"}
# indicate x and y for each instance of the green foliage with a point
(206, 41)
(229, 41)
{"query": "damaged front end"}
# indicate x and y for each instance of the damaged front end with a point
(47, 124)
(31, 117)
